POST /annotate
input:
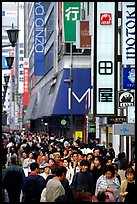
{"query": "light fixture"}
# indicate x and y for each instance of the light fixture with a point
(6, 78)
(13, 35)
(9, 61)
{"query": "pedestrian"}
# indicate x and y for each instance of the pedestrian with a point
(108, 183)
(54, 188)
(27, 162)
(82, 183)
(13, 178)
(97, 169)
(128, 188)
(33, 185)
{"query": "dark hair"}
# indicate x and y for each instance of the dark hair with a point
(84, 163)
(13, 159)
(60, 170)
(101, 196)
(100, 159)
(34, 166)
(109, 168)
(130, 170)
(54, 168)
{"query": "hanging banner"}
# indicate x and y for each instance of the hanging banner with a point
(71, 13)
(105, 65)
(128, 33)
(83, 39)
(26, 82)
(39, 13)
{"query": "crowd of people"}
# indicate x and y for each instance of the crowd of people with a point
(40, 167)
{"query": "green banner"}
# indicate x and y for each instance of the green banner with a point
(71, 13)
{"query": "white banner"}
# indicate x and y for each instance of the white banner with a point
(128, 33)
(105, 67)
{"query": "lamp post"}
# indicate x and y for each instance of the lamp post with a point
(70, 81)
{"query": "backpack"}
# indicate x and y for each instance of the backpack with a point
(32, 192)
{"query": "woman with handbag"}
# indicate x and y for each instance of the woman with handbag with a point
(108, 183)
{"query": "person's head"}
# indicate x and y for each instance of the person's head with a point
(34, 166)
(84, 165)
(47, 168)
(42, 153)
(75, 156)
(61, 172)
(89, 156)
(13, 159)
(115, 167)
(66, 162)
(101, 197)
(51, 161)
(96, 151)
(31, 155)
(56, 156)
(24, 155)
(130, 174)
(109, 171)
(108, 160)
(98, 161)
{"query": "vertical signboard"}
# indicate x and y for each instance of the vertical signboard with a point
(39, 68)
(20, 79)
(83, 39)
(128, 33)
(129, 78)
(105, 51)
(26, 82)
(71, 13)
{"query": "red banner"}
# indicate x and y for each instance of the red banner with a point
(26, 82)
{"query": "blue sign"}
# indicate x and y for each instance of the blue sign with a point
(129, 78)
(81, 92)
(4, 63)
(39, 66)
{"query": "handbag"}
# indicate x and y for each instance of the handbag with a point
(81, 196)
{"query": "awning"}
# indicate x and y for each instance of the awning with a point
(30, 107)
(55, 98)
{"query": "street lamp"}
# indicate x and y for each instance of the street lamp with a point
(13, 36)
(9, 61)
(6, 79)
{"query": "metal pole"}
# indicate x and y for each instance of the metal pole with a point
(71, 88)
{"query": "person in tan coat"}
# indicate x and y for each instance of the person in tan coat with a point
(127, 188)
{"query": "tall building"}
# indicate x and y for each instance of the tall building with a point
(50, 62)
(9, 17)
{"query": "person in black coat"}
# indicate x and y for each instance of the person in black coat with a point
(83, 180)
(12, 180)
(33, 185)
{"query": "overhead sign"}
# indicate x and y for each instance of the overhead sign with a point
(131, 114)
(124, 129)
(71, 13)
(128, 78)
(126, 98)
(128, 33)
(83, 39)
(105, 66)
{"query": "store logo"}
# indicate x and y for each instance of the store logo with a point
(131, 75)
(105, 18)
